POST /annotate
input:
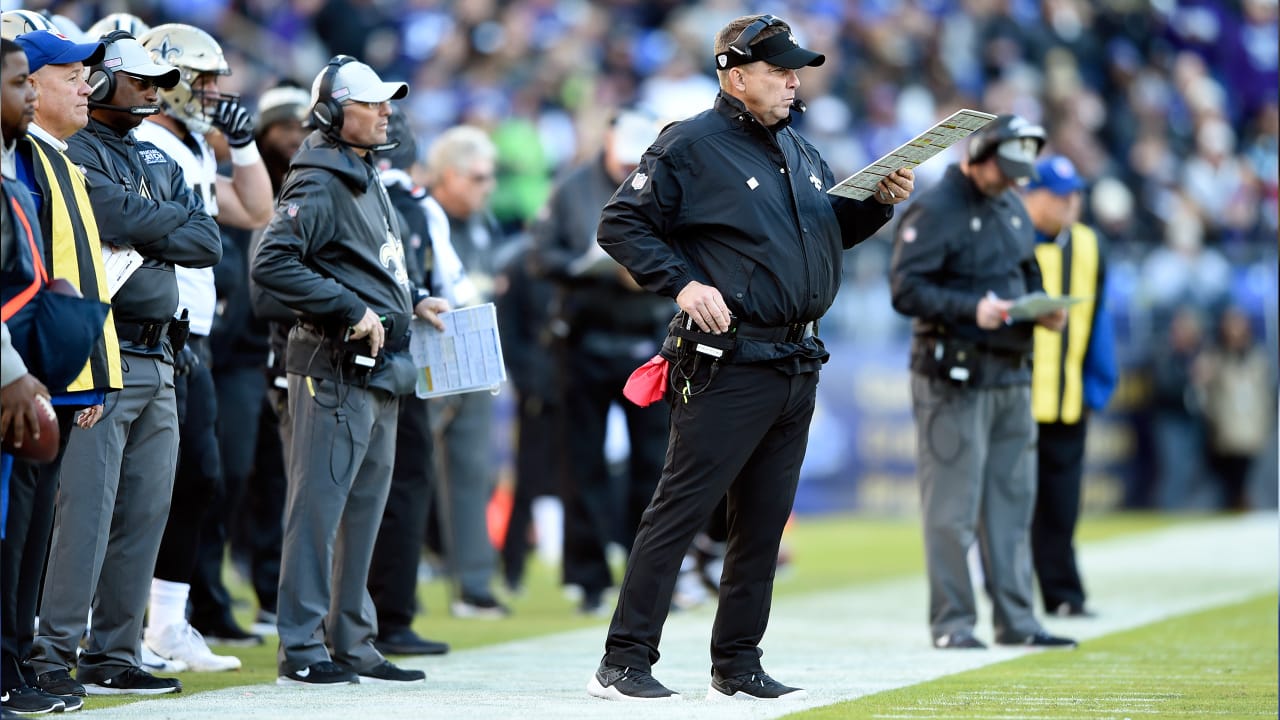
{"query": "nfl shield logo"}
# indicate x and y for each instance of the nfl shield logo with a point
(292, 210)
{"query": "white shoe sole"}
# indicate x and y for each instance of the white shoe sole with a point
(595, 689)
(92, 689)
(290, 682)
(714, 695)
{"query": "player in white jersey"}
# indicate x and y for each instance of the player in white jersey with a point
(194, 113)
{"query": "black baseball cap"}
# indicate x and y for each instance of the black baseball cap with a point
(781, 50)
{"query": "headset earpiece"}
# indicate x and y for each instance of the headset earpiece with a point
(742, 45)
(327, 114)
(101, 80)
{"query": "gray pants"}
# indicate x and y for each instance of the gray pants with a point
(117, 479)
(339, 472)
(463, 424)
(976, 462)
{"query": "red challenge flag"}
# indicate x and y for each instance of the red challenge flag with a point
(648, 383)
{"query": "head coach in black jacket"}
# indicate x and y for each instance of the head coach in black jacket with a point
(333, 254)
(728, 213)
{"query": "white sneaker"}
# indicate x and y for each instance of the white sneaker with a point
(185, 643)
(153, 663)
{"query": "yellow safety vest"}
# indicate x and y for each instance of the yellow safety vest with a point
(72, 246)
(1057, 377)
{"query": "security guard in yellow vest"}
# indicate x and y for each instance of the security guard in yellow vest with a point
(1073, 373)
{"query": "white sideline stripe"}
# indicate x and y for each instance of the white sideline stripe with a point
(840, 645)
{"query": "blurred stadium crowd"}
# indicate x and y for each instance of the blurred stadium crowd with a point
(1167, 107)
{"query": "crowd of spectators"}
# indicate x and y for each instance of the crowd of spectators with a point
(1167, 107)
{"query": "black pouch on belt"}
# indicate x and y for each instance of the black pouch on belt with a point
(717, 347)
(179, 331)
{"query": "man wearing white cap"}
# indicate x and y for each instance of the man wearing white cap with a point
(333, 254)
(118, 475)
(963, 253)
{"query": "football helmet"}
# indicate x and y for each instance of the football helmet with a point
(131, 24)
(195, 53)
(21, 22)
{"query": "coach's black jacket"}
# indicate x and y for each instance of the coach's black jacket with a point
(723, 200)
(141, 200)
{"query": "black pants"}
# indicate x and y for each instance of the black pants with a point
(33, 491)
(393, 574)
(595, 512)
(239, 391)
(1053, 526)
(257, 533)
(197, 483)
(538, 472)
(745, 435)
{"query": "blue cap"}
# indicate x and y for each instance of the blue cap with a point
(45, 47)
(1057, 175)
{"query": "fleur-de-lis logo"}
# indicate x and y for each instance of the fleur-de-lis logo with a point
(792, 38)
(167, 50)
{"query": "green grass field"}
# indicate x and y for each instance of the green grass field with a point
(1220, 663)
(836, 552)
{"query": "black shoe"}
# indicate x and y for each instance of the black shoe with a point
(1041, 639)
(593, 603)
(751, 686)
(388, 674)
(59, 682)
(473, 606)
(26, 700)
(71, 703)
(227, 633)
(959, 641)
(405, 641)
(1072, 610)
(132, 681)
(321, 673)
(618, 683)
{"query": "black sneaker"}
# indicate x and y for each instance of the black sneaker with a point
(71, 703)
(405, 641)
(751, 686)
(1073, 610)
(959, 641)
(59, 682)
(133, 681)
(388, 674)
(227, 633)
(1042, 639)
(618, 683)
(486, 607)
(26, 700)
(321, 673)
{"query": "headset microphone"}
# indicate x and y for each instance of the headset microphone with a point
(143, 110)
(798, 105)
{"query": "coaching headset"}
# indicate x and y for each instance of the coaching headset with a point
(1006, 127)
(326, 114)
(741, 47)
(102, 81)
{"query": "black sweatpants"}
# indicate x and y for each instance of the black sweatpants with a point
(1053, 526)
(393, 572)
(744, 435)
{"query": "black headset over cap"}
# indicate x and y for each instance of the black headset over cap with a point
(326, 114)
(781, 49)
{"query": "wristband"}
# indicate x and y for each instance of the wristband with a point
(247, 155)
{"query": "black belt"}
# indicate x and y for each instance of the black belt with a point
(147, 332)
(792, 333)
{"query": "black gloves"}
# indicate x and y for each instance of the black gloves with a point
(184, 361)
(235, 122)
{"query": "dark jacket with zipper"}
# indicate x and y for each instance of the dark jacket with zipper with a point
(333, 249)
(141, 200)
(727, 202)
(953, 246)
